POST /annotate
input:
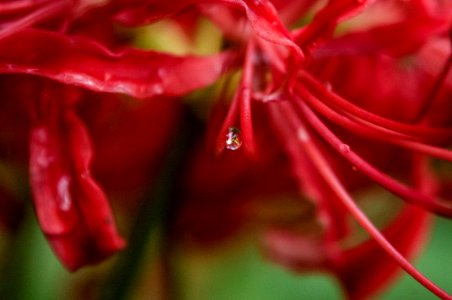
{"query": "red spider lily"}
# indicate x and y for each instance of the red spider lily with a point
(319, 96)
(291, 99)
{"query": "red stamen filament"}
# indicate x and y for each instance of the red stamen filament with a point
(416, 131)
(367, 129)
(329, 176)
(245, 91)
(14, 6)
(405, 192)
(241, 106)
(311, 149)
(433, 93)
(33, 17)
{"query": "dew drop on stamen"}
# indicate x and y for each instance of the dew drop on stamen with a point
(233, 139)
(344, 148)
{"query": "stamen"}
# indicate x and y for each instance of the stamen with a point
(325, 170)
(14, 6)
(405, 192)
(233, 139)
(371, 130)
(246, 87)
(229, 122)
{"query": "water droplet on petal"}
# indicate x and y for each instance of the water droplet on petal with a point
(233, 139)
(344, 148)
(64, 193)
(354, 168)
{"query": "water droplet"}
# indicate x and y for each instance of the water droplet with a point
(233, 139)
(344, 148)
(354, 168)
(63, 193)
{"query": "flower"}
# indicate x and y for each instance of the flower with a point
(312, 104)
(295, 99)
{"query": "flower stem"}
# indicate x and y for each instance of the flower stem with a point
(156, 213)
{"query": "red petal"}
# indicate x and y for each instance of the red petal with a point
(298, 252)
(146, 129)
(78, 61)
(145, 12)
(414, 32)
(266, 23)
(50, 181)
(11, 211)
(72, 209)
(326, 20)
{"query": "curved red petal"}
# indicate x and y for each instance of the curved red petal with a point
(78, 61)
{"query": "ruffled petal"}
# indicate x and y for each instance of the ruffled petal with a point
(82, 62)
(72, 209)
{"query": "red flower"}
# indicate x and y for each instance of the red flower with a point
(296, 103)
(311, 106)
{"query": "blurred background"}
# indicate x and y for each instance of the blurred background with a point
(238, 271)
